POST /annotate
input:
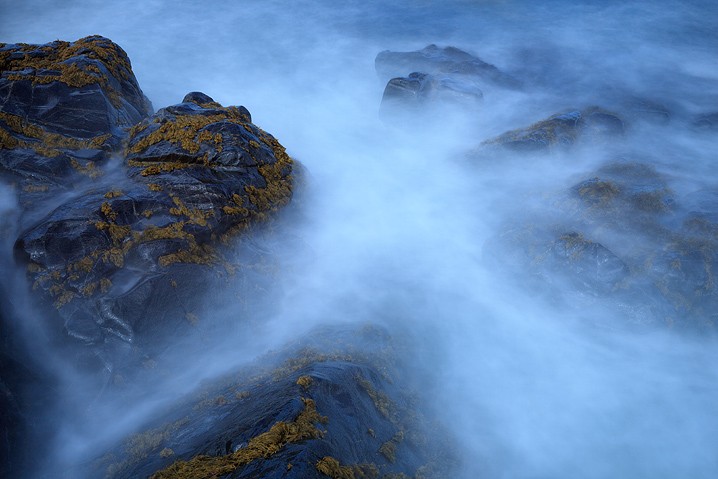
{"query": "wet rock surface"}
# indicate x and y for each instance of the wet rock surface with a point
(561, 130)
(327, 406)
(63, 108)
(437, 77)
(110, 257)
(663, 280)
(447, 61)
(128, 227)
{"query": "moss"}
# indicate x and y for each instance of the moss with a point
(105, 285)
(159, 167)
(599, 192)
(195, 255)
(388, 449)
(195, 216)
(167, 452)
(88, 169)
(63, 297)
(41, 141)
(35, 188)
(154, 187)
(262, 446)
(304, 381)
(187, 131)
(89, 289)
(139, 446)
(113, 194)
(331, 467)
(381, 401)
(106, 210)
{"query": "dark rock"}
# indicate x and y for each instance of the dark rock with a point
(561, 130)
(588, 263)
(64, 107)
(706, 122)
(111, 258)
(419, 89)
(293, 420)
(441, 62)
(635, 188)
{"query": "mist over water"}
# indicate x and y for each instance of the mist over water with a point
(396, 223)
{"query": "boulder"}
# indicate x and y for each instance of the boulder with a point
(128, 254)
(560, 131)
(448, 62)
(64, 108)
(318, 408)
(419, 89)
(707, 122)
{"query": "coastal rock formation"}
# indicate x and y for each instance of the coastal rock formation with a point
(561, 130)
(442, 62)
(111, 257)
(63, 109)
(318, 409)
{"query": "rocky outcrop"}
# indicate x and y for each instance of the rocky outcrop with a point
(441, 62)
(435, 76)
(124, 216)
(622, 235)
(561, 130)
(63, 109)
(418, 89)
(124, 225)
(196, 174)
(314, 410)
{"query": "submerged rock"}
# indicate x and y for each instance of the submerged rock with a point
(419, 89)
(707, 122)
(448, 62)
(560, 131)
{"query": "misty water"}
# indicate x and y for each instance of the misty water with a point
(399, 224)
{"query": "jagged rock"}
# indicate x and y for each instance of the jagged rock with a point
(63, 109)
(418, 89)
(561, 130)
(442, 62)
(326, 409)
(111, 258)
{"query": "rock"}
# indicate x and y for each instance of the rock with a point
(588, 263)
(111, 257)
(419, 89)
(293, 420)
(560, 131)
(635, 188)
(63, 109)
(707, 122)
(448, 62)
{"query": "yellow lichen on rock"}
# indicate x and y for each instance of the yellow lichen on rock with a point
(54, 63)
(262, 446)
